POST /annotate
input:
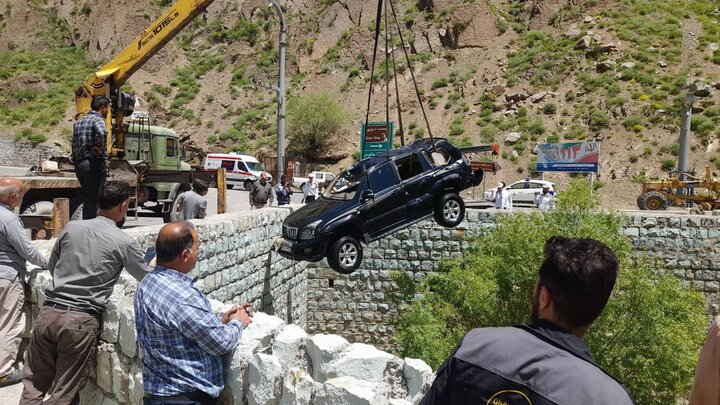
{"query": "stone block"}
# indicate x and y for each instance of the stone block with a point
(111, 316)
(91, 394)
(322, 349)
(103, 365)
(360, 361)
(127, 336)
(289, 347)
(264, 382)
(348, 391)
(135, 385)
(419, 378)
(259, 334)
(298, 388)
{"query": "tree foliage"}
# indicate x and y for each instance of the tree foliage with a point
(648, 336)
(313, 121)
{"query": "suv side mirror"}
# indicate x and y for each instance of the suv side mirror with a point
(367, 195)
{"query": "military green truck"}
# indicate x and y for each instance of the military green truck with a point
(154, 164)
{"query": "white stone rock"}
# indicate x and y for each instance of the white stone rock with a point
(127, 336)
(218, 307)
(322, 349)
(135, 385)
(394, 401)
(259, 334)
(298, 388)
(419, 376)
(103, 365)
(119, 376)
(513, 137)
(360, 361)
(289, 346)
(39, 281)
(235, 375)
(109, 401)
(111, 315)
(348, 391)
(264, 380)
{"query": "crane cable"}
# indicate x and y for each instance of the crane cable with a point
(410, 67)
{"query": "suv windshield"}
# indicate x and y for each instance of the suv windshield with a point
(343, 187)
(254, 166)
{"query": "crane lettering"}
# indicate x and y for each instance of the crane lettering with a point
(144, 40)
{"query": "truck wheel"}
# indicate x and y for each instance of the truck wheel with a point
(247, 185)
(449, 210)
(653, 201)
(77, 213)
(39, 208)
(345, 255)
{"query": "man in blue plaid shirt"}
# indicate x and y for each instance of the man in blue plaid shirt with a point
(89, 153)
(180, 337)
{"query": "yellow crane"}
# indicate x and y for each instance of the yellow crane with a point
(109, 79)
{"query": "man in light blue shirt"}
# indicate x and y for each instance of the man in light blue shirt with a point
(15, 249)
(180, 337)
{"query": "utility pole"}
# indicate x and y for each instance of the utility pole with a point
(684, 156)
(280, 90)
(281, 93)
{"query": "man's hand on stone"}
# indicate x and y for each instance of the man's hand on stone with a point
(226, 316)
(243, 315)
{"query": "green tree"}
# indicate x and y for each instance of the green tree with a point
(313, 121)
(648, 336)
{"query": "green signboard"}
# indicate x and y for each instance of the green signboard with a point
(376, 138)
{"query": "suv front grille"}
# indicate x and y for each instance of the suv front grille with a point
(290, 232)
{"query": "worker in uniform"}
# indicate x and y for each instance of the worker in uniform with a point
(545, 362)
(503, 198)
(546, 200)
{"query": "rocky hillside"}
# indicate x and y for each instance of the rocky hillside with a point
(508, 71)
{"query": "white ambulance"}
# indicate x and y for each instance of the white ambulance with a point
(240, 169)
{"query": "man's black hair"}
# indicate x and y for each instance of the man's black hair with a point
(98, 102)
(113, 193)
(200, 186)
(580, 275)
(167, 249)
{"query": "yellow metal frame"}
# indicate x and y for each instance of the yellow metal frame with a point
(107, 80)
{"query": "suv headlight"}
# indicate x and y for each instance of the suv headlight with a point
(309, 230)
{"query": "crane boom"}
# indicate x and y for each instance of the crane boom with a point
(108, 80)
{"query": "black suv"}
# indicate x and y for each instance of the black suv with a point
(377, 196)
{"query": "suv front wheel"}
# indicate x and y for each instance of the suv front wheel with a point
(345, 255)
(449, 210)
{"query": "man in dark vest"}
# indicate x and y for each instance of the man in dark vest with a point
(545, 362)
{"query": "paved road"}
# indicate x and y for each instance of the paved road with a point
(237, 201)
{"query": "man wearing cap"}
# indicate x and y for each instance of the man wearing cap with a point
(502, 199)
(310, 190)
(546, 200)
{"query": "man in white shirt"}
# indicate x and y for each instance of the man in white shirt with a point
(546, 200)
(310, 190)
(503, 199)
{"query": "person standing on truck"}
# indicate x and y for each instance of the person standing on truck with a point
(15, 250)
(192, 204)
(85, 264)
(283, 191)
(310, 189)
(261, 192)
(89, 152)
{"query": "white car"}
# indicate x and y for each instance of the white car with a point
(523, 191)
(321, 178)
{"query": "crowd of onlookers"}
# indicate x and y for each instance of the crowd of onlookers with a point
(181, 340)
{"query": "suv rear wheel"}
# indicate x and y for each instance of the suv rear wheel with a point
(345, 255)
(449, 210)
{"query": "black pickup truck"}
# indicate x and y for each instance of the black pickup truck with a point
(377, 196)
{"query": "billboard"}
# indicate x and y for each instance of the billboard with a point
(376, 138)
(568, 157)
